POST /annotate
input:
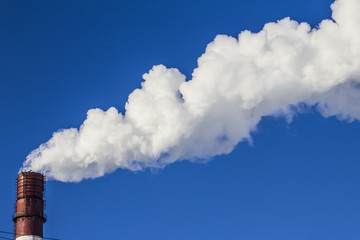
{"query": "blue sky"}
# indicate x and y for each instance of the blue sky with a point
(298, 181)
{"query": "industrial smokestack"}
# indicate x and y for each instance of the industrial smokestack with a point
(29, 214)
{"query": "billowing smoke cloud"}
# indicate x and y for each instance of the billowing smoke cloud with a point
(236, 83)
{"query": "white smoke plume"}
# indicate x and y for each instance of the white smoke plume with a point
(237, 82)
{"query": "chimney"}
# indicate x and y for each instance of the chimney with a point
(29, 214)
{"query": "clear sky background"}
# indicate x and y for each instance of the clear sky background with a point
(298, 181)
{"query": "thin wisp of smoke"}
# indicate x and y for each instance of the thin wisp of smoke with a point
(237, 82)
